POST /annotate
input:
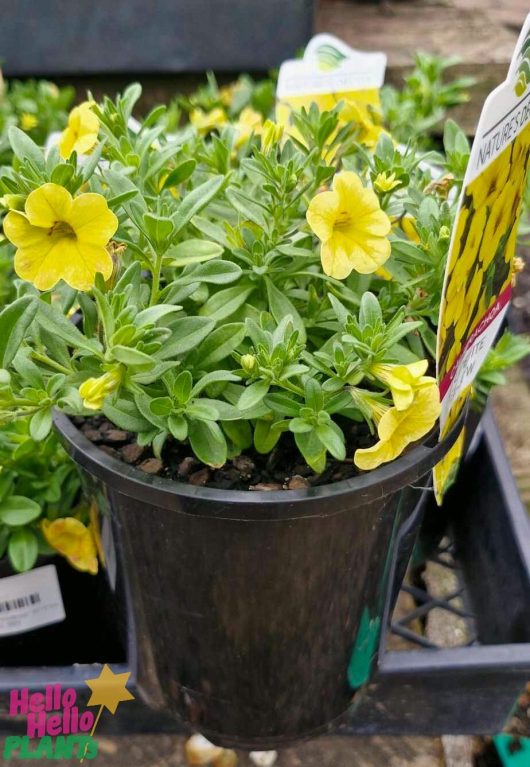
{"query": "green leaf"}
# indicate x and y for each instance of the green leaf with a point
(152, 314)
(220, 344)
(312, 449)
(186, 334)
(247, 208)
(129, 356)
(126, 415)
(158, 228)
(370, 312)
(283, 404)
(281, 306)
(23, 550)
(215, 272)
(196, 200)
(162, 406)
(178, 426)
(266, 436)
(52, 319)
(332, 437)
(181, 173)
(17, 510)
(253, 394)
(15, 320)
(193, 251)
(216, 376)
(208, 443)
(40, 424)
(24, 148)
(225, 302)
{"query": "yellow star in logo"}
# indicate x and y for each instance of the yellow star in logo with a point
(109, 689)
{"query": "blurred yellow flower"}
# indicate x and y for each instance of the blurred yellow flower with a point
(60, 237)
(403, 380)
(398, 428)
(205, 122)
(74, 541)
(351, 226)
(250, 123)
(81, 133)
(366, 121)
(385, 182)
(94, 390)
(28, 121)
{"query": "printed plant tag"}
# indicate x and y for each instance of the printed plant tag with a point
(479, 274)
(30, 600)
(331, 72)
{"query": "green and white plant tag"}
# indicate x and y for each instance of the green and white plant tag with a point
(480, 266)
(330, 72)
(513, 752)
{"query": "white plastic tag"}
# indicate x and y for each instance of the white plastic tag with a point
(30, 600)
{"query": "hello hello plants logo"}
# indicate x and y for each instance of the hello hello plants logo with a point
(57, 728)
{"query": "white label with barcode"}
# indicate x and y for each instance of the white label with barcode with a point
(30, 600)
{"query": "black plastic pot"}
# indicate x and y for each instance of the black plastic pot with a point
(257, 615)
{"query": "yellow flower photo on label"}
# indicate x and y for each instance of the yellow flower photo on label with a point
(59, 237)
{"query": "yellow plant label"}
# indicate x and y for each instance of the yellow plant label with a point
(331, 73)
(479, 274)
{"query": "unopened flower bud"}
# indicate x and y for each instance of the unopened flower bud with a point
(248, 362)
(94, 390)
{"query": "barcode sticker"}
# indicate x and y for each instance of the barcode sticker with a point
(30, 600)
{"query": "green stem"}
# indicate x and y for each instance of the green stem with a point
(40, 357)
(155, 285)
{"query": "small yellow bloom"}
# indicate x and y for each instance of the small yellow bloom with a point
(28, 121)
(81, 133)
(403, 380)
(74, 541)
(249, 124)
(271, 135)
(205, 122)
(94, 390)
(60, 237)
(398, 428)
(385, 182)
(351, 226)
(227, 93)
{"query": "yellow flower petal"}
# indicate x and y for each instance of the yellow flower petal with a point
(48, 204)
(321, 214)
(21, 233)
(399, 428)
(92, 220)
(74, 541)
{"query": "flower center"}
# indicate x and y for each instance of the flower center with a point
(343, 220)
(62, 229)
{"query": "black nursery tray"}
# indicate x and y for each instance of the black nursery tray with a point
(482, 536)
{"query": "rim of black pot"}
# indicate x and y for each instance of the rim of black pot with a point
(160, 491)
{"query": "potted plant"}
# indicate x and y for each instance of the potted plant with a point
(235, 325)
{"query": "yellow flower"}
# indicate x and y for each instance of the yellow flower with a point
(369, 130)
(398, 428)
(81, 133)
(249, 124)
(94, 390)
(74, 541)
(271, 135)
(385, 182)
(205, 122)
(351, 226)
(227, 93)
(403, 380)
(28, 121)
(59, 237)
